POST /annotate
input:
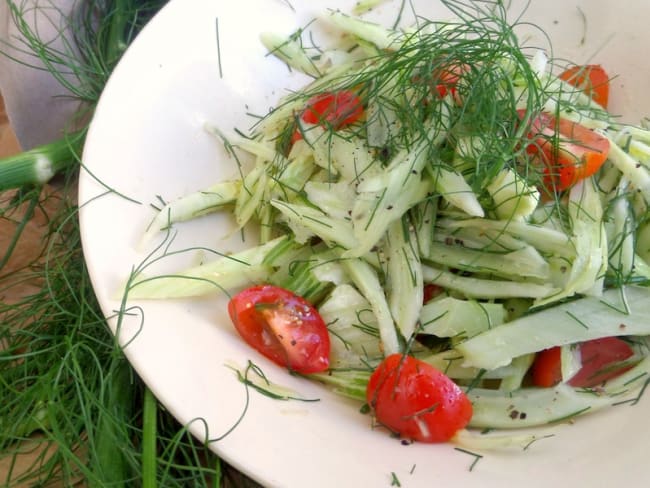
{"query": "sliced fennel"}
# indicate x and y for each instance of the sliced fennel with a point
(353, 328)
(404, 280)
(228, 272)
(461, 319)
(187, 207)
(417, 193)
(367, 281)
(616, 313)
(513, 197)
(291, 52)
(518, 265)
(530, 407)
(484, 288)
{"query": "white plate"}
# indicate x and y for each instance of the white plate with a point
(147, 140)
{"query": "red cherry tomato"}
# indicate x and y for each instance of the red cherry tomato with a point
(331, 109)
(568, 151)
(337, 109)
(546, 370)
(283, 327)
(443, 80)
(600, 358)
(448, 78)
(592, 79)
(430, 291)
(416, 400)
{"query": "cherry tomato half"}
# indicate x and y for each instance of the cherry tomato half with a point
(443, 80)
(416, 400)
(569, 151)
(600, 358)
(282, 326)
(331, 109)
(448, 78)
(546, 370)
(337, 109)
(591, 79)
(430, 291)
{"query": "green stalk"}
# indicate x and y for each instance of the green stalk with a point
(37, 166)
(149, 459)
(117, 42)
(29, 213)
(112, 467)
(217, 474)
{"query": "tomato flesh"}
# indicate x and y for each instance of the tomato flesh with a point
(599, 357)
(331, 109)
(591, 79)
(430, 291)
(568, 151)
(282, 326)
(448, 78)
(416, 400)
(546, 370)
(443, 80)
(337, 109)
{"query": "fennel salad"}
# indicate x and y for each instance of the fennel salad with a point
(453, 230)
